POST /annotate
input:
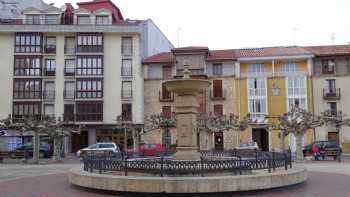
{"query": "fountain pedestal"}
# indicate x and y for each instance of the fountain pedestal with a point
(186, 105)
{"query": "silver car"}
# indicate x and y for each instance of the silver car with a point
(103, 147)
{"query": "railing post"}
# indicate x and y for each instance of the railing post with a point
(91, 163)
(290, 158)
(126, 165)
(339, 155)
(202, 165)
(100, 164)
(240, 166)
(256, 159)
(285, 161)
(273, 161)
(161, 166)
(269, 163)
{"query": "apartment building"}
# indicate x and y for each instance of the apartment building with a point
(82, 65)
(331, 69)
(270, 81)
(264, 82)
(216, 66)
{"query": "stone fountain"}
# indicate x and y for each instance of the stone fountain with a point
(186, 105)
(166, 175)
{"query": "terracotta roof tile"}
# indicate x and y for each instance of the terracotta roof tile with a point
(221, 55)
(329, 50)
(165, 57)
(271, 51)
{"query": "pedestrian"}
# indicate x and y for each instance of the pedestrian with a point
(315, 151)
(323, 151)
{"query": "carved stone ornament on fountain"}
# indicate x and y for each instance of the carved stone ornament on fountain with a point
(186, 106)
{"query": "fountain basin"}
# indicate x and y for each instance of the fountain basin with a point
(187, 86)
(147, 184)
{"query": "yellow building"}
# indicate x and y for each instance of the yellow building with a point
(269, 82)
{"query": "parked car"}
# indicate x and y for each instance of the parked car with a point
(148, 150)
(103, 147)
(248, 145)
(331, 146)
(45, 150)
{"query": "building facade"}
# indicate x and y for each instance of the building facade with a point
(330, 92)
(81, 65)
(216, 66)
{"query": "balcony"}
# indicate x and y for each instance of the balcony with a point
(50, 49)
(90, 49)
(51, 72)
(67, 117)
(262, 73)
(49, 95)
(218, 95)
(281, 72)
(69, 71)
(331, 94)
(69, 94)
(69, 49)
(166, 96)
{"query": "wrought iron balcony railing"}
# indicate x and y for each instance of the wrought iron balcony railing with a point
(331, 94)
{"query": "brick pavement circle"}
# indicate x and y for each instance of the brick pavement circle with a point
(319, 184)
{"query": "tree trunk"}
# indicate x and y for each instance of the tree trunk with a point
(36, 145)
(282, 145)
(299, 151)
(57, 148)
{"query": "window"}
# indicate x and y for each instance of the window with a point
(28, 43)
(49, 110)
(217, 89)
(126, 45)
(218, 109)
(51, 19)
(90, 43)
(331, 86)
(27, 66)
(296, 92)
(50, 45)
(127, 111)
(27, 109)
(69, 67)
(50, 67)
(83, 20)
(27, 89)
(333, 107)
(328, 66)
(257, 106)
(126, 90)
(102, 20)
(33, 19)
(167, 72)
(166, 111)
(89, 65)
(89, 111)
(89, 88)
(166, 94)
(68, 112)
(290, 67)
(126, 67)
(217, 69)
(69, 45)
(49, 90)
(256, 68)
(69, 89)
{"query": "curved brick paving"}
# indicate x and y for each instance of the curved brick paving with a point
(319, 184)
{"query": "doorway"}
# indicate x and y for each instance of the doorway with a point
(80, 141)
(333, 136)
(219, 140)
(261, 137)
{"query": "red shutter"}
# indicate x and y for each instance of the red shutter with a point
(166, 110)
(218, 109)
(217, 88)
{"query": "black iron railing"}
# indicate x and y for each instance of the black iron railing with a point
(233, 161)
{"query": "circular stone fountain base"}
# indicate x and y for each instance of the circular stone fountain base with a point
(146, 184)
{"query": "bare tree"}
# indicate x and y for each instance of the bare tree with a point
(57, 131)
(335, 118)
(27, 124)
(127, 125)
(298, 121)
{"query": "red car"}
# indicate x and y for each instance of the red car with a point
(148, 150)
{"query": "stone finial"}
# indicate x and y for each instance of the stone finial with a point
(186, 71)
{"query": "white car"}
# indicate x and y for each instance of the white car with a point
(248, 145)
(100, 148)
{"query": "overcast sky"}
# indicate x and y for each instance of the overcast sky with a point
(224, 24)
